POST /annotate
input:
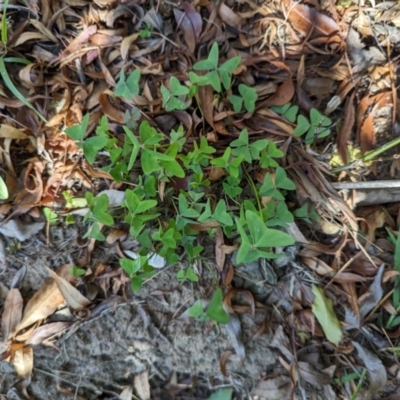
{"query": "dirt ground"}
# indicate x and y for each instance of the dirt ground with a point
(98, 357)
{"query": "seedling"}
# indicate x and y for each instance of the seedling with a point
(90, 146)
(129, 87)
(287, 111)
(51, 217)
(187, 275)
(317, 127)
(248, 97)
(146, 31)
(214, 311)
(216, 75)
(171, 100)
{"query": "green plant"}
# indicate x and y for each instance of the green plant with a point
(216, 75)
(51, 217)
(129, 87)
(248, 97)
(171, 97)
(146, 31)
(215, 310)
(187, 274)
(316, 127)
(90, 146)
(3, 189)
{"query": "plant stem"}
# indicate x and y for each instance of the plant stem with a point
(253, 186)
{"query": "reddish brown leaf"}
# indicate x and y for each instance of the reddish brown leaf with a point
(206, 96)
(307, 20)
(223, 360)
(283, 94)
(347, 126)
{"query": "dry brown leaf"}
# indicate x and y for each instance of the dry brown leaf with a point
(206, 97)
(12, 313)
(126, 43)
(24, 37)
(43, 303)
(307, 20)
(283, 94)
(228, 16)
(190, 23)
(219, 253)
(223, 360)
(22, 359)
(346, 128)
(7, 131)
(74, 298)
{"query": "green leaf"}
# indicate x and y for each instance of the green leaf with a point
(242, 140)
(3, 189)
(51, 216)
(131, 267)
(130, 87)
(176, 88)
(281, 109)
(230, 65)
(175, 104)
(174, 168)
(249, 95)
(221, 215)
(213, 57)
(196, 309)
(203, 65)
(91, 147)
(4, 30)
(237, 102)
(149, 162)
(145, 205)
(213, 79)
(215, 310)
(191, 275)
(225, 79)
(77, 132)
(222, 394)
(263, 236)
(303, 125)
(291, 114)
(76, 271)
(95, 233)
(282, 181)
(100, 209)
(322, 308)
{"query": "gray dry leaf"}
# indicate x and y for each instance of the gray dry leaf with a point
(273, 389)
(234, 332)
(374, 294)
(12, 313)
(281, 342)
(362, 58)
(376, 371)
(142, 386)
(312, 376)
(16, 229)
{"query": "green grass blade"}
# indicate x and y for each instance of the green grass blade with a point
(10, 85)
(4, 32)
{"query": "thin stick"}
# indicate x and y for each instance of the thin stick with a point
(390, 184)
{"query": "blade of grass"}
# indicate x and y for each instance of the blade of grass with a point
(17, 60)
(10, 85)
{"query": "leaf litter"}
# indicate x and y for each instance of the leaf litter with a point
(320, 55)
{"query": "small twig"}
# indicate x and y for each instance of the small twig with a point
(367, 185)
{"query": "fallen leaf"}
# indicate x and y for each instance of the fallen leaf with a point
(346, 128)
(17, 229)
(44, 332)
(274, 389)
(219, 253)
(283, 94)
(374, 294)
(142, 386)
(74, 298)
(12, 313)
(376, 371)
(234, 330)
(22, 360)
(322, 308)
(311, 375)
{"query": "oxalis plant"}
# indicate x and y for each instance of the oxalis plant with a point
(167, 226)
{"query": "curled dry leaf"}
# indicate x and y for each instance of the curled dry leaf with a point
(223, 360)
(74, 298)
